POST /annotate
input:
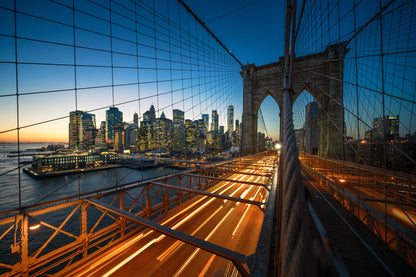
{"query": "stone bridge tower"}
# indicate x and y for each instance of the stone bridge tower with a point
(321, 74)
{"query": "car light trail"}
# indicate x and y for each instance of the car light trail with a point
(170, 249)
(207, 265)
(241, 220)
(182, 268)
(117, 267)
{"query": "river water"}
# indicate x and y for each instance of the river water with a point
(50, 188)
(37, 190)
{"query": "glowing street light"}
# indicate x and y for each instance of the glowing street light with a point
(34, 224)
(278, 146)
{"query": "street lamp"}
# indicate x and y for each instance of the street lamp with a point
(33, 223)
(278, 146)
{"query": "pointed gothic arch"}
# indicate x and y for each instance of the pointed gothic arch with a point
(321, 74)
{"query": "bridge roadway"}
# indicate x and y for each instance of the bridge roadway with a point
(369, 186)
(233, 225)
(358, 251)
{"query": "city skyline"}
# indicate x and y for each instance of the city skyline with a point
(153, 132)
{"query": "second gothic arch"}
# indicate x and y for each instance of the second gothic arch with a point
(321, 74)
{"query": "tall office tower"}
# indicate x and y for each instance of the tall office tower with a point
(214, 123)
(311, 140)
(100, 137)
(230, 119)
(152, 113)
(190, 129)
(163, 133)
(114, 118)
(118, 138)
(74, 129)
(205, 117)
(136, 119)
(178, 136)
(130, 137)
(87, 131)
(391, 125)
(236, 136)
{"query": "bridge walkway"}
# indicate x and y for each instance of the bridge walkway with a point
(361, 252)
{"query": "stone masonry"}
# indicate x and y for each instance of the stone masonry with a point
(321, 74)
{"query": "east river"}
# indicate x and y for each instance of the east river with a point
(35, 190)
(50, 188)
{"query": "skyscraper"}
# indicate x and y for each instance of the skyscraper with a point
(136, 119)
(391, 125)
(205, 117)
(87, 131)
(214, 124)
(114, 118)
(230, 119)
(190, 129)
(311, 128)
(163, 133)
(178, 135)
(74, 129)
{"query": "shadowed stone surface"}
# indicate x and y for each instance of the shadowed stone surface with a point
(321, 74)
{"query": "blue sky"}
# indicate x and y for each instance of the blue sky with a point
(254, 34)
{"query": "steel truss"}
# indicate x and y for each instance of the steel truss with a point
(76, 227)
(343, 180)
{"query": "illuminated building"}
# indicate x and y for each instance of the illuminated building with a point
(230, 119)
(100, 137)
(118, 138)
(178, 136)
(162, 133)
(190, 129)
(205, 117)
(311, 128)
(214, 123)
(136, 119)
(130, 137)
(74, 129)
(391, 125)
(114, 118)
(87, 131)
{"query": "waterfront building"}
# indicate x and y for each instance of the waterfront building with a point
(114, 118)
(178, 132)
(42, 163)
(230, 119)
(214, 123)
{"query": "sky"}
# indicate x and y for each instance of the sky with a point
(254, 34)
(251, 34)
(252, 30)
